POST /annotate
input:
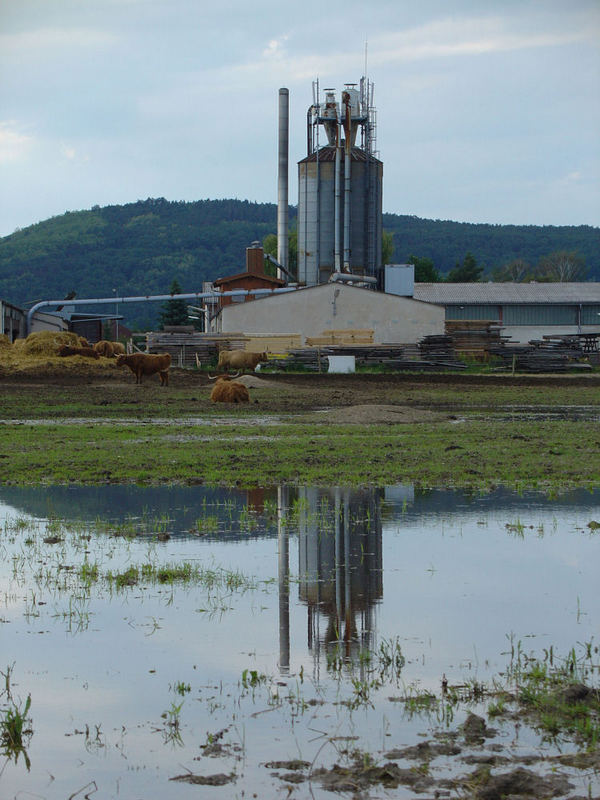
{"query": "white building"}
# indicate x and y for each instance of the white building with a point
(311, 310)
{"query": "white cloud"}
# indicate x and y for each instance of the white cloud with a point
(275, 48)
(465, 37)
(71, 153)
(14, 145)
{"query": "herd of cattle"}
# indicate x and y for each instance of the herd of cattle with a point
(225, 390)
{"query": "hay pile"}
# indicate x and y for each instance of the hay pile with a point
(46, 343)
(4, 341)
(38, 354)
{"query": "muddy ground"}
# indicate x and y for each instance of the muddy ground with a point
(355, 398)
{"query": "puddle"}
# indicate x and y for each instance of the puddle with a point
(285, 641)
(532, 413)
(126, 421)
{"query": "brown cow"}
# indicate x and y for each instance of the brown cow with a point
(88, 352)
(105, 348)
(227, 391)
(240, 359)
(147, 364)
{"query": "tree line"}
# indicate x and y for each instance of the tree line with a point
(141, 248)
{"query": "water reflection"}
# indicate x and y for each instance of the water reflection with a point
(340, 566)
(460, 589)
(330, 544)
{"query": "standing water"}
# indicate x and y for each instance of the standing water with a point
(166, 642)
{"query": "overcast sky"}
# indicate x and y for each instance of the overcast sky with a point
(487, 110)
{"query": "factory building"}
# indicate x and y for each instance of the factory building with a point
(339, 187)
(309, 310)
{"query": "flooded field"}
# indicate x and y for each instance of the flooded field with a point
(199, 643)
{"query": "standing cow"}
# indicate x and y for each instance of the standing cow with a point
(240, 360)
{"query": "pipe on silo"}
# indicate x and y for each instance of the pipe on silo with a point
(282, 180)
(347, 184)
(337, 249)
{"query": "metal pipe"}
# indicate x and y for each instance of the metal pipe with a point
(347, 185)
(152, 298)
(337, 260)
(282, 180)
(344, 277)
(347, 195)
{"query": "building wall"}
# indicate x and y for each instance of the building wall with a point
(334, 306)
(13, 321)
(48, 322)
(526, 321)
(522, 334)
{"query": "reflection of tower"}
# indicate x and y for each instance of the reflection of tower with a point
(340, 565)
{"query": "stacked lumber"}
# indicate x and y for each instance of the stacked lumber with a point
(551, 354)
(474, 337)
(187, 349)
(341, 337)
(390, 356)
(437, 348)
(273, 342)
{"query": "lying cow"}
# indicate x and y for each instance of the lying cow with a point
(67, 350)
(147, 364)
(240, 359)
(105, 348)
(226, 390)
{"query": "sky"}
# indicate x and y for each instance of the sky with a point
(487, 110)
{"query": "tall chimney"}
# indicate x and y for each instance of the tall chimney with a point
(282, 180)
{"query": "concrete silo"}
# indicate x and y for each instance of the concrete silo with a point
(340, 189)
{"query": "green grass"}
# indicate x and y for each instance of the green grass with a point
(15, 730)
(478, 454)
(185, 573)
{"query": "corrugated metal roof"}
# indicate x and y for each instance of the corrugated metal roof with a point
(505, 293)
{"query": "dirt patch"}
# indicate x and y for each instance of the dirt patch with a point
(380, 414)
(254, 382)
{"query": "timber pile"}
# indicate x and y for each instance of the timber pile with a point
(474, 337)
(273, 343)
(341, 337)
(184, 347)
(551, 354)
(390, 356)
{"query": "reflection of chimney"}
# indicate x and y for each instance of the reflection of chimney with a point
(255, 259)
(282, 180)
(283, 570)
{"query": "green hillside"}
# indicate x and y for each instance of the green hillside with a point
(140, 248)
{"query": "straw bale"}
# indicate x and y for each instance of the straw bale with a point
(47, 343)
(5, 342)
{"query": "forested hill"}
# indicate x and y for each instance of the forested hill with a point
(140, 248)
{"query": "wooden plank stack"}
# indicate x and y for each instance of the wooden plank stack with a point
(390, 356)
(188, 348)
(273, 342)
(473, 337)
(341, 337)
(550, 354)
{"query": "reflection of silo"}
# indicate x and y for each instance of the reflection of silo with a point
(340, 563)
(340, 190)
